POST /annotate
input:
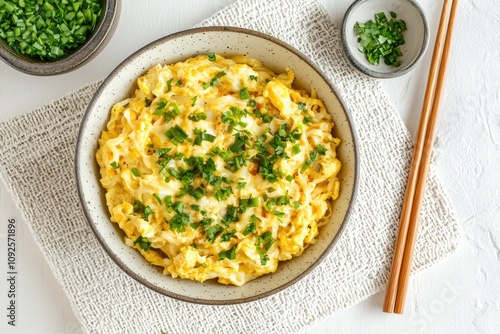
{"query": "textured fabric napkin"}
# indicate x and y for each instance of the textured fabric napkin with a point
(36, 164)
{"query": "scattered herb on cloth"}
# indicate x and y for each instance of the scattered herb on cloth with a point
(47, 29)
(381, 38)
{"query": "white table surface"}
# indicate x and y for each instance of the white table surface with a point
(461, 294)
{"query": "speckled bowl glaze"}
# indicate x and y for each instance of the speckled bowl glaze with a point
(178, 47)
(416, 37)
(77, 57)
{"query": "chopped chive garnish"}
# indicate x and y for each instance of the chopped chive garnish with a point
(179, 221)
(237, 145)
(168, 201)
(115, 165)
(309, 161)
(253, 77)
(47, 30)
(178, 83)
(321, 149)
(244, 94)
(302, 106)
(178, 207)
(229, 254)
(198, 193)
(193, 100)
(145, 211)
(169, 84)
(196, 117)
(264, 243)
(147, 102)
(227, 236)
(176, 135)
(381, 38)
(157, 198)
(250, 228)
(202, 136)
(308, 120)
(296, 149)
(144, 243)
(174, 173)
(211, 56)
(278, 213)
(135, 171)
(222, 193)
(212, 232)
(214, 81)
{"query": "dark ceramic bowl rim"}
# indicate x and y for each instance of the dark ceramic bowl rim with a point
(76, 58)
(379, 75)
(101, 238)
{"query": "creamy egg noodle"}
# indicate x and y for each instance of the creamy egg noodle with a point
(217, 168)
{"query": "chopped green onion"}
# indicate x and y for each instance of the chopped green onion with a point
(381, 38)
(222, 193)
(145, 211)
(308, 120)
(214, 81)
(115, 165)
(212, 232)
(244, 94)
(250, 228)
(264, 243)
(179, 221)
(211, 56)
(144, 243)
(193, 100)
(47, 30)
(229, 254)
(136, 172)
(202, 136)
(168, 201)
(157, 198)
(169, 84)
(196, 117)
(176, 135)
(309, 161)
(227, 236)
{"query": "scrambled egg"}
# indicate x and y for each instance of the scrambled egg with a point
(217, 168)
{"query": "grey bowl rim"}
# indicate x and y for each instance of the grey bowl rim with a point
(101, 239)
(379, 75)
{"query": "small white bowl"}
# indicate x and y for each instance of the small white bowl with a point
(177, 47)
(416, 36)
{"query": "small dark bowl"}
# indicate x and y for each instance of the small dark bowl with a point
(77, 57)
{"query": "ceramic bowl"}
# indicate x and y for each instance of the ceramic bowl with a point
(77, 57)
(178, 47)
(416, 36)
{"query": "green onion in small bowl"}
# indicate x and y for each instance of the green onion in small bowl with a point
(49, 37)
(384, 39)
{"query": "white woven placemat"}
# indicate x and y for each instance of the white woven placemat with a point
(36, 164)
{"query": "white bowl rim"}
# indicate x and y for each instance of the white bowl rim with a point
(101, 238)
(362, 68)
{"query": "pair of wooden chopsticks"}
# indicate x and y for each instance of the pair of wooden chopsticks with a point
(402, 262)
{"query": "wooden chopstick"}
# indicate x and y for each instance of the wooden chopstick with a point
(401, 265)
